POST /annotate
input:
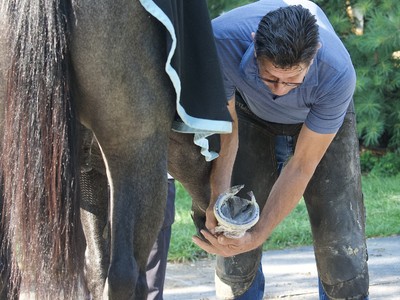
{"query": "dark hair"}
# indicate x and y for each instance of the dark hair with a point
(287, 36)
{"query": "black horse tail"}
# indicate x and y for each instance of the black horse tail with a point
(39, 151)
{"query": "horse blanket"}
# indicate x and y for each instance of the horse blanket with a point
(193, 67)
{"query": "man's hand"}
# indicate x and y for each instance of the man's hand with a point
(223, 246)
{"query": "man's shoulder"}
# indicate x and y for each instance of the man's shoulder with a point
(333, 53)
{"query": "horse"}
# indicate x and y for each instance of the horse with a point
(86, 110)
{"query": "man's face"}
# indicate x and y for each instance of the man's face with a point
(281, 81)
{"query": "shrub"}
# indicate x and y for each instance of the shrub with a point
(387, 165)
(367, 160)
(370, 31)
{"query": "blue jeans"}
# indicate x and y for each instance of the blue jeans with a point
(256, 290)
(333, 196)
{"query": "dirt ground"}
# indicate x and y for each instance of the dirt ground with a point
(289, 274)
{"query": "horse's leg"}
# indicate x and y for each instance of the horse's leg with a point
(126, 99)
(189, 167)
(94, 214)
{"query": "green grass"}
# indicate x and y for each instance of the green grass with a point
(181, 247)
(382, 202)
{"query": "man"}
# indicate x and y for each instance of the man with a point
(290, 82)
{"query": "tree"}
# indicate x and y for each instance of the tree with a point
(371, 32)
(216, 7)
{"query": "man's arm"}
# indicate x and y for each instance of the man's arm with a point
(222, 167)
(284, 196)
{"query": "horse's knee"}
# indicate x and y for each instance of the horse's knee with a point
(122, 280)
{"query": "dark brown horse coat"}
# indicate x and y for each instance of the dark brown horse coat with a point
(102, 64)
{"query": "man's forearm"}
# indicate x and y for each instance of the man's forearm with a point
(221, 172)
(222, 167)
(284, 197)
(292, 182)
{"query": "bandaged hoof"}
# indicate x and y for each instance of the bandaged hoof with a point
(235, 215)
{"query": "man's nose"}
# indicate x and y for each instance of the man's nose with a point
(279, 89)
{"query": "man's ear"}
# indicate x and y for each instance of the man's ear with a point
(318, 47)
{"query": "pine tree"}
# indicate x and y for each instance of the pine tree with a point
(371, 32)
(216, 7)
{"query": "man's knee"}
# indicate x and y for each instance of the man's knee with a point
(344, 271)
(353, 289)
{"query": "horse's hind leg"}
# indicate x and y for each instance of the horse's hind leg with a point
(94, 215)
(189, 167)
(127, 100)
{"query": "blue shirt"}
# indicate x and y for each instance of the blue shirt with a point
(321, 101)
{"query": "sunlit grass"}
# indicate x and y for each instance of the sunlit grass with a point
(382, 201)
(181, 247)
